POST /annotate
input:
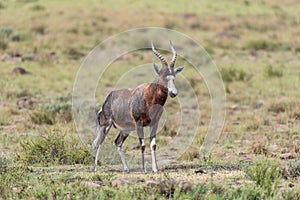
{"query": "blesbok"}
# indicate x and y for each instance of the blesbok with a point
(129, 110)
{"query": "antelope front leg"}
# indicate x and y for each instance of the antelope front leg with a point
(153, 130)
(140, 132)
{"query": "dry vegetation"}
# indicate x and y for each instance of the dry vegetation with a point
(255, 46)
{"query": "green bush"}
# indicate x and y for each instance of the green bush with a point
(266, 45)
(40, 29)
(273, 72)
(3, 44)
(74, 53)
(17, 37)
(266, 174)
(52, 113)
(53, 148)
(232, 74)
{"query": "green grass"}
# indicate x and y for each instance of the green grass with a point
(253, 45)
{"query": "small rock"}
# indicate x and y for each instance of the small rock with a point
(236, 122)
(20, 70)
(121, 181)
(91, 184)
(189, 15)
(286, 156)
(259, 103)
(234, 107)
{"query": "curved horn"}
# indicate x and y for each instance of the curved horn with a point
(172, 63)
(161, 58)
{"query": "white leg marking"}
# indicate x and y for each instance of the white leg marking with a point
(152, 144)
(123, 159)
(153, 155)
(96, 158)
(143, 142)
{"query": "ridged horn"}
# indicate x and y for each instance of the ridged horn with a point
(161, 58)
(172, 63)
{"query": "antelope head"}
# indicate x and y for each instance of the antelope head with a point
(167, 73)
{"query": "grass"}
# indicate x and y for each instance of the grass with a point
(254, 47)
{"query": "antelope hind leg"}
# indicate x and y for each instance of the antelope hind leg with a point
(98, 142)
(119, 142)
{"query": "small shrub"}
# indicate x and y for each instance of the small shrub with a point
(272, 72)
(191, 154)
(255, 45)
(73, 30)
(41, 116)
(170, 24)
(3, 44)
(53, 148)
(40, 29)
(259, 148)
(284, 105)
(6, 31)
(37, 7)
(245, 192)
(266, 174)
(53, 113)
(17, 37)
(2, 6)
(232, 74)
(74, 53)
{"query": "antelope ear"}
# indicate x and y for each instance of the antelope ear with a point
(156, 68)
(179, 69)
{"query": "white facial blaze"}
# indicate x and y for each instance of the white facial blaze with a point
(171, 85)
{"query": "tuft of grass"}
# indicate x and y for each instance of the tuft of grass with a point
(41, 116)
(266, 45)
(273, 72)
(259, 148)
(53, 148)
(74, 53)
(16, 177)
(245, 192)
(40, 29)
(6, 31)
(170, 24)
(266, 174)
(232, 74)
(37, 7)
(3, 44)
(2, 6)
(18, 37)
(285, 105)
(52, 113)
(191, 154)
